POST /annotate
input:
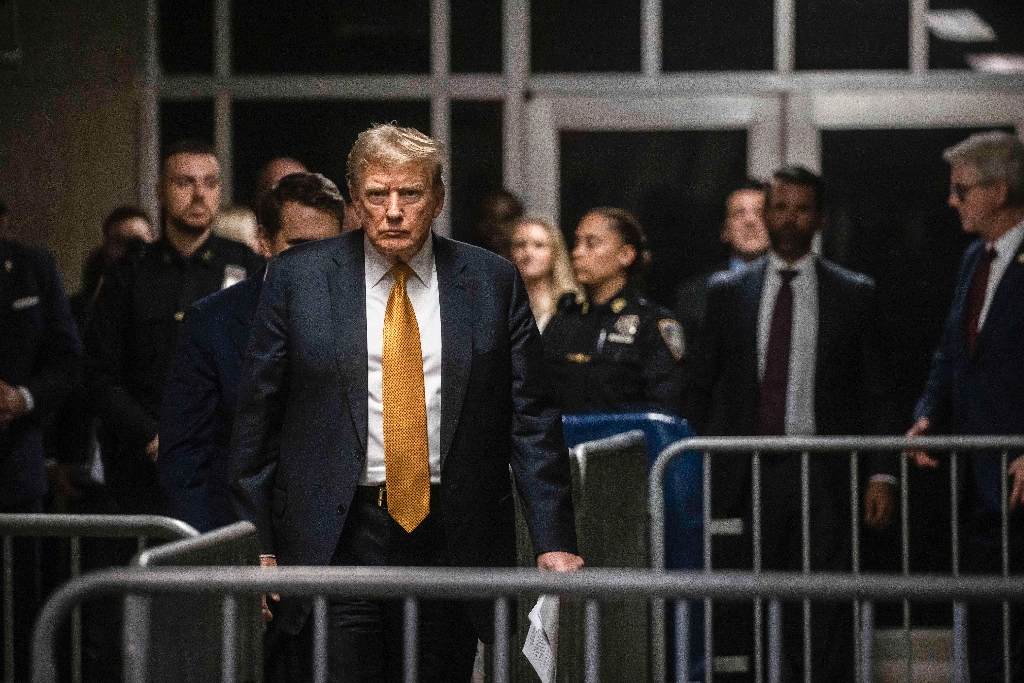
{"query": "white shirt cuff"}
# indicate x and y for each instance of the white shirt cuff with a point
(887, 478)
(30, 403)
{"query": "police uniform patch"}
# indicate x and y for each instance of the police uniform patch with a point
(1020, 259)
(207, 255)
(618, 305)
(8, 265)
(577, 358)
(672, 333)
(627, 324)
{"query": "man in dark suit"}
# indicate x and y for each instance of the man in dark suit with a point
(744, 233)
(202, 385)
(392, 380)
(789, 350)
(40, 361)
(977, 380)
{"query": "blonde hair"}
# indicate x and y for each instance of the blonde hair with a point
(391, 145)
(236, 223)
(562, 281)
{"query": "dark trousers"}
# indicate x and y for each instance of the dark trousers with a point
(27, 591)
(831, 624)
(366, 637)
(982, 554)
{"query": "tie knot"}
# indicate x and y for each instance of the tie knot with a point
(401, 273)
(788, 275)
(990, 254)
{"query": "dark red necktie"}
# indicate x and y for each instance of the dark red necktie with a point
(976, 297)
(771, 408)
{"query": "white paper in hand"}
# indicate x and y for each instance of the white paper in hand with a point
(541, 646)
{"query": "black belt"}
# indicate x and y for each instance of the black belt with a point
(378, 495)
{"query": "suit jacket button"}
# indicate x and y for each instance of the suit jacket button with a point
(341, 508)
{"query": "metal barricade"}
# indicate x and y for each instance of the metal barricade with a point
(755, 447)
(74, 527)
(168, 638)
(413, 584)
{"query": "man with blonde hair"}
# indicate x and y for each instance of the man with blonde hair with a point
(393, 378)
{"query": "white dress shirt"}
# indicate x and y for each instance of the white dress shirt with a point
(1006, 250)
(803, 342)
(423, 292)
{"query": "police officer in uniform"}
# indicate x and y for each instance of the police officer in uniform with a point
(138, 314)
(614, 351)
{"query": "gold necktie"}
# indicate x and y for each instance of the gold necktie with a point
(407, 468)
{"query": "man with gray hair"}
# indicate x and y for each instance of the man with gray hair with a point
(977, 380)
(393, 378)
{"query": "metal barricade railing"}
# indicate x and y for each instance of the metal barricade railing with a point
(74, 527)
(413, 584)
(824, 446)
(171, 639)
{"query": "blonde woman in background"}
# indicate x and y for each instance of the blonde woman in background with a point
(538, 250)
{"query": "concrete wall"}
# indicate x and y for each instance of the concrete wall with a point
(68, 123)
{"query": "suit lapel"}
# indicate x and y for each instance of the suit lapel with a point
(243, 310)
(347, 285)
(455, 291)
(752, 284)
(830, 314)
(1007, 294)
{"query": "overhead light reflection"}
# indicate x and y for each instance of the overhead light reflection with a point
(959, 26)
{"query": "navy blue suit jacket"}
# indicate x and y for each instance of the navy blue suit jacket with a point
(39, 350)
(198, 410)
(849, 396)
(983, 393)
(299, 445)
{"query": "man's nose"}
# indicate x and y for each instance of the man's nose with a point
(394, 210)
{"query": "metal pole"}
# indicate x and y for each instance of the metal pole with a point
(411, 628)
(229, 641)
(1005, 531)
(8, 610)
(855, 550)
(805, 523)
(440, 104)
(959, 664)
(905, 552)
(785, 32)
(867, 625)
(320, 639)
(709, 638)
(774, 641)
(650, 37)
(918, 36)
(592, 642)
(516, 30)
(76, 614)
(501, 636)
(682, 641)
(222, 102)
(755, 492)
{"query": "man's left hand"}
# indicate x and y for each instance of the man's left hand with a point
(1016, 470)
(559, 562)
(879, 504)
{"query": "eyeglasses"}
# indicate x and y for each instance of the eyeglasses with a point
(959, 190)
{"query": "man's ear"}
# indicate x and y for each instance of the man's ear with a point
(627, 254)
(439, 197)
(1002, 192)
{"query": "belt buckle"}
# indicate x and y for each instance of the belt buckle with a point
(380, 496)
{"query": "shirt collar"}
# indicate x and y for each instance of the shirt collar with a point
(803, 266)
(1008, 244)
(422, 264)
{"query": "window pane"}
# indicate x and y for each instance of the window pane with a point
(675, 182)
(191, 120)
(319, 134)
(311, 37)
(853, 35)
(601, 35)
(476, 158)
(186, 36)
(703, 36)
(1005, 18)
(476, 36)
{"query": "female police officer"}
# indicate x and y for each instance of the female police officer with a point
(613, 351)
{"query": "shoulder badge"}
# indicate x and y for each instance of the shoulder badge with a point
(627, 324)
(618, 305)
(207, 255)
(1020, 258)
(578, 358)
(672, 333)
(8, 265)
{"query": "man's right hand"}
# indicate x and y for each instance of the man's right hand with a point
(264, 609)
(153, 449)
(920, 458)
